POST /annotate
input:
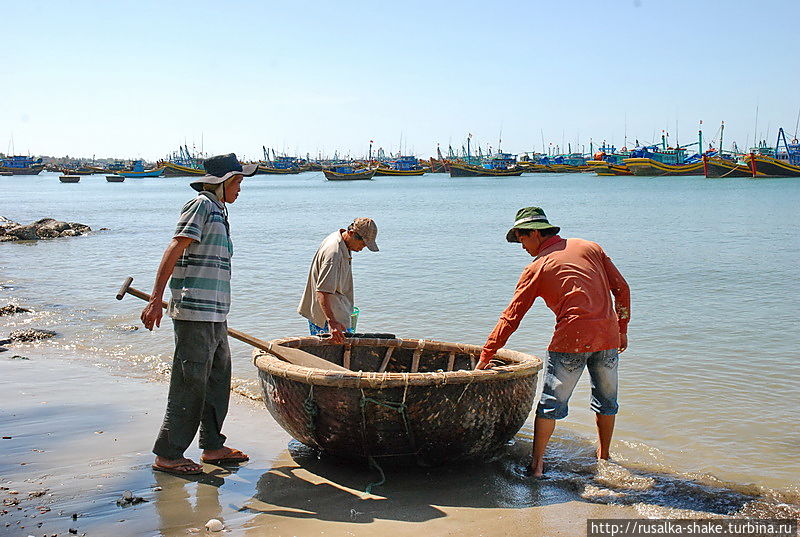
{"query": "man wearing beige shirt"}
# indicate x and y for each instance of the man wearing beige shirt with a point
(327, 302)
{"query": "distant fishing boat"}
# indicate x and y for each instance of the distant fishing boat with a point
(647, 166)
(79, 170)
(113, 167)
(115, 178)
(401, 166)
(348, 173)
(568, 163)
(21, 165)
(720, 166)
(314, 167)
(264, 169)
(607, 162)
(139, 171)
(460, 169)
(69, 178)
(439, 164)
(499, 165)
(279, 166)
(182, 163)
(650, 161)
(784, 161)
(667, 161)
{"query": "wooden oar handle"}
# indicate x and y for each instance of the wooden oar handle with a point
(241, 336)
(127, 289)
(250, 340)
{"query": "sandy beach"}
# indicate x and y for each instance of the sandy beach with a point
(77, 436)
(80, 436)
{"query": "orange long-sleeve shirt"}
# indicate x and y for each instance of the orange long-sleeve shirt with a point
(576, 279)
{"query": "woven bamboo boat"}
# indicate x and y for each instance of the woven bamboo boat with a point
(404, 400)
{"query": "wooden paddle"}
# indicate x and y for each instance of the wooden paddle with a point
(289, 354)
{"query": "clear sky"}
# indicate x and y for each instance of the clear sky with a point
(136, 79)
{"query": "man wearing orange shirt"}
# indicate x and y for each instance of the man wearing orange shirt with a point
(576, 279)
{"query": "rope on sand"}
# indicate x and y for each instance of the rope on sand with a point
(374, 463)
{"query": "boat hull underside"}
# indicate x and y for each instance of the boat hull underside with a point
(651, 168)
(31, 170)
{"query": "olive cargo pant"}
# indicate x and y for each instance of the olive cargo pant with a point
(199, 388)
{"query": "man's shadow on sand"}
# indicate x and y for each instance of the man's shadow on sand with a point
(304, 484)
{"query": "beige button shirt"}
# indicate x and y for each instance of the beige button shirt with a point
(330, 272)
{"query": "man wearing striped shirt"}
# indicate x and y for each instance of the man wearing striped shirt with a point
(199, 260)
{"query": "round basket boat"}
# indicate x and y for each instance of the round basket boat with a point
(403, 400)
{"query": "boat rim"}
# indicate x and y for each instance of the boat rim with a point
(519, 365)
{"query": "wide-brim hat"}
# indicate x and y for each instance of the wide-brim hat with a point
(529, 218)
(220, 168)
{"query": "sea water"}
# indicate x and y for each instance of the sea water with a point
(710, 384)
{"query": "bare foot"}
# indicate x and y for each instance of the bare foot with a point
(600, 455)
(177, 466)
(223, 454)
(537, 469)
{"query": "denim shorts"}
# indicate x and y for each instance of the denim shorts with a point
(563, 371)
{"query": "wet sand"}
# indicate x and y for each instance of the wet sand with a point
(81, 435)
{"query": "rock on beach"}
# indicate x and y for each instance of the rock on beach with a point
(30, 334)
(12, 309)
(46, 228)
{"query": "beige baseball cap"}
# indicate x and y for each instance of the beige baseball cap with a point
(367, 230)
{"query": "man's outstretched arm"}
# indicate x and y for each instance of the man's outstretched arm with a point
(524, 295)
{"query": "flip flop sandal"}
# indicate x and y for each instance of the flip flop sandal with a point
(176, 470)
(235, 456)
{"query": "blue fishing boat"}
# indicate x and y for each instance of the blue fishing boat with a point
(607, 161)
(139, 171)
(182, 163)
(348, 173)
(76, 168)
(21, 165)
(401, 166)
(497, 165)
(651, 161)
(783, 161)
(279, 165)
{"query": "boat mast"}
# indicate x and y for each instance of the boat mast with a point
(721, 131)
(700, 138)
(797, 124)
(626, 130)
(500, 140)
(755, 130)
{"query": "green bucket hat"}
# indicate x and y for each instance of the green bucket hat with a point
(529, 218)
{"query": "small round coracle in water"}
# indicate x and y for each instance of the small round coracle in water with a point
(215, 525)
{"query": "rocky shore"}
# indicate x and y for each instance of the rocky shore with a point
(46, 228)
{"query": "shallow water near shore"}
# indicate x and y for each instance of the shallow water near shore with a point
(710, 386)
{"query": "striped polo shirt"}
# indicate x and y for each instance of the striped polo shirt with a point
(200, 283)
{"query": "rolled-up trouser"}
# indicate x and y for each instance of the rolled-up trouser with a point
(199, 388)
